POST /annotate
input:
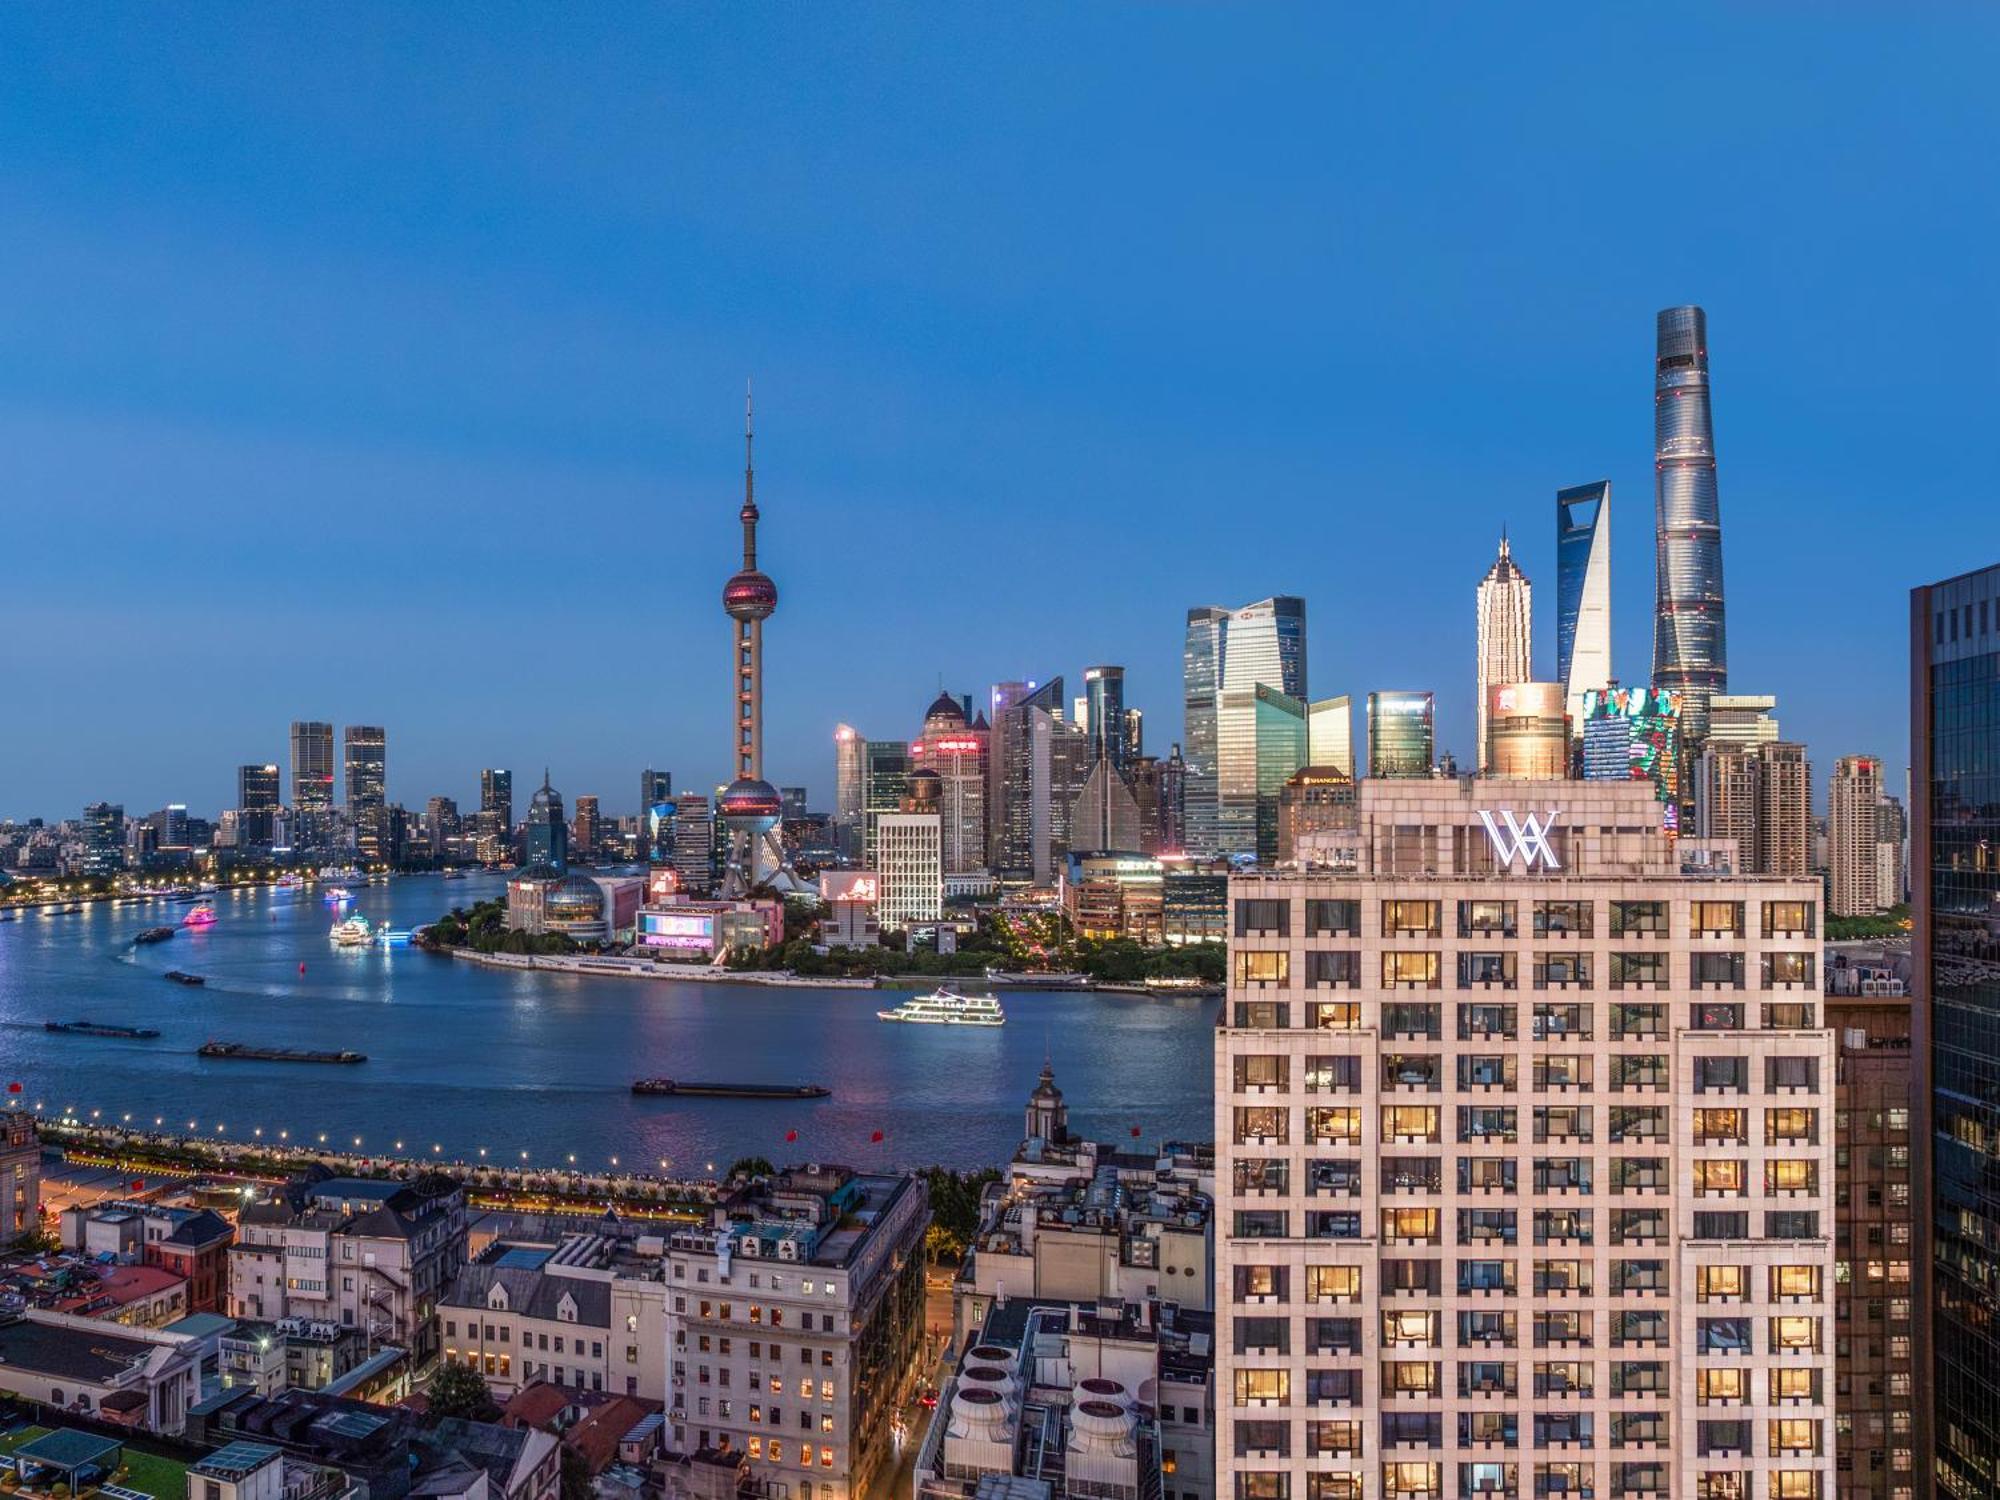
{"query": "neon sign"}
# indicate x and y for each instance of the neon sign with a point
(1525, 839)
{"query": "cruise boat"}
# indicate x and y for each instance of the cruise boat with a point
(202, 916)
(336, 895)
(1023, 979)
(290, 882)
(346, 874)
(945, 1007)
(353, 933)
(392, 937)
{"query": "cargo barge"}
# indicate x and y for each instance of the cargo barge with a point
(243, 1052)
(731, 1090)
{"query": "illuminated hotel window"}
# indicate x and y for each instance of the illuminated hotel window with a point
(1718, 1283)
(1263, 968)
(1412, 919)
(1720, 1385)
(1418, 970)
(1726, 1176)
(1794, 1281)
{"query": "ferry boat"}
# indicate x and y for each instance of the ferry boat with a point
(336, 895)
(946, 1007)
(290, 882)
(154, 935)
(1024, 980)
(99, 1028)
(346, 875)
(202, 916)
(353, 933)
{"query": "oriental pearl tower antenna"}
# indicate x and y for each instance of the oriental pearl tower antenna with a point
(750, 807)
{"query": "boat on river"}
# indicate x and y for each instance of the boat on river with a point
(946, 1007)
(353, 933)
(731, 1090)
(243, 1052)
(154, 935)
(99, 1028)
(180, 976)
(202, 916)
(1021, 979)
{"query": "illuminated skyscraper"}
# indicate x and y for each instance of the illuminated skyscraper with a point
(258, 796)
(1234, 651)
(1402, 734)
(545, 839)
(956, 751)
(1583, 593)
(1506, 616)
(1260, 744)
(1690, 649)
(312, 785)
(367, 759)
(850, 790)
(1104, 719)
(1330, 734)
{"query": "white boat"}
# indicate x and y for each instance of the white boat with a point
(345, 874)
(336, 895)
(353, 933)
(392, 937)
(944, 1007)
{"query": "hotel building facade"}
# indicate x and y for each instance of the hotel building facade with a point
(1527, 1166)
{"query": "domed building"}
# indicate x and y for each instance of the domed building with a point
(957, 748)
(574, 906)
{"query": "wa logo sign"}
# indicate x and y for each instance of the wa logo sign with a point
(1525, 839)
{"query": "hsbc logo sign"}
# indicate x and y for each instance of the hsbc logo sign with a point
(1525, 839)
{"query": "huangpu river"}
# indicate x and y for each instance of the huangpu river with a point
(463, 1058)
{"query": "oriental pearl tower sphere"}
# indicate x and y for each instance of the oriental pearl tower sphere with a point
(749, 807)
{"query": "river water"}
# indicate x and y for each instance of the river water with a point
(463, 1058)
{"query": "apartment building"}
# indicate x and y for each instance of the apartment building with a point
(1527, 1177)
(377, 1256)
(796, 1318)
(587, 1313)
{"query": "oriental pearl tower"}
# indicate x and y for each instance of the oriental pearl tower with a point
(750, 806)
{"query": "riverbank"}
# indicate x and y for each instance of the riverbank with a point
(612, 966)
(487, 1185)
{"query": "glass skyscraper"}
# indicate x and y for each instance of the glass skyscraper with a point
(1104, 689)
(1583, 592)
(1955, 895)
(1201, 677)
(367, 762)
(1402, 734)
(1690, 653)
(1233, 651)
(1260, 743)
(257, 799)
(312, 784)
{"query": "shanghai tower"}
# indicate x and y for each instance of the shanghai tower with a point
(1690, 652)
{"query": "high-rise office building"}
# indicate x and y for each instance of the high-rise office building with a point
(312, 785)
(1201, 680)
(585, 829)
(1173, 802)
(1583, 593)
(1506, 621)
(103, 839)
(1635, 734)
(1690, 645)
(1104, 713)
(1517, 1192)
(909, 856)
(694, 843)
(1891, 835)
(1106, 817)
(1135, 734)
(1003, 697)
(850, 790)
(655, 788)
(367, 761)
(1261, 643)
(1018, 753)
(1853, 829)
(545, 837)
(1260, 743)
(496, 796)
(1330, 734)
(957, 752)
(1743, 718)
(440, 825)
(1527, 736)
(1955, 890)
(258, 798)
(1402, 734)
(885, 781)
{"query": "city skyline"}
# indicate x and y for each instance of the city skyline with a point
(218, 291)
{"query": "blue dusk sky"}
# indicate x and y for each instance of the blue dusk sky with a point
(386, 364)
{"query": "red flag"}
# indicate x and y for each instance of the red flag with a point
(138, 1183)
(876, 1138)
(13, 1088)
(1135, 1132)
(791, 1135)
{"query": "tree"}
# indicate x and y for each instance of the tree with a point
(751, 1166)
(575, 1475)
(460, 1391)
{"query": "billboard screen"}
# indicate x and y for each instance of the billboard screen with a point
(850, 885)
